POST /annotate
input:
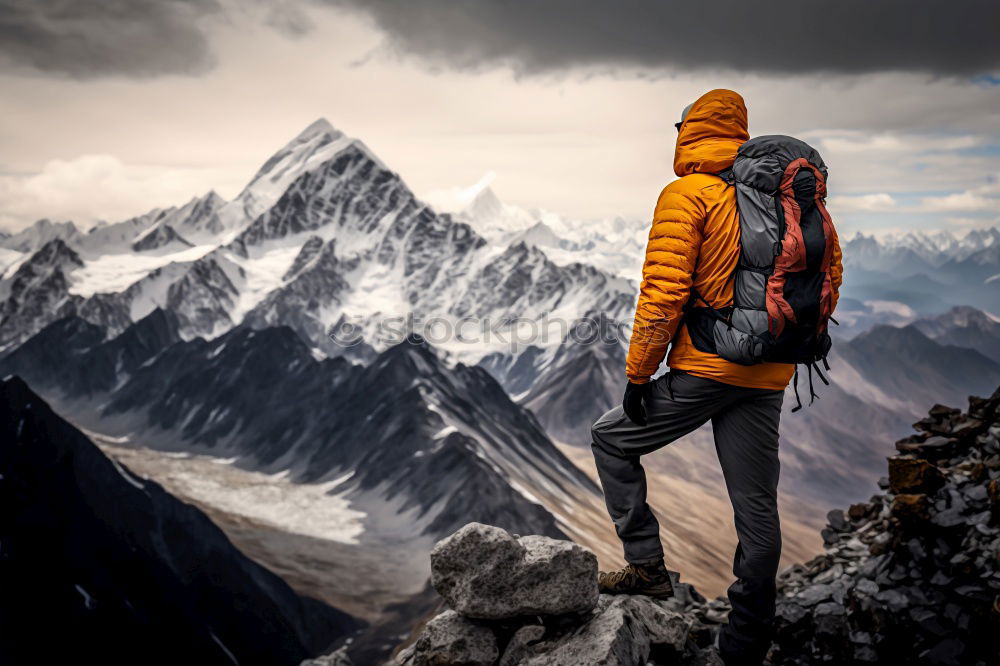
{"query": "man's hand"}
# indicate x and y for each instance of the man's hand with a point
(632, 402)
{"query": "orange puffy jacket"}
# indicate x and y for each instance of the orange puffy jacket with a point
(695, 240)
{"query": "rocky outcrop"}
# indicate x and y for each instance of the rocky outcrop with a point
(484, 572)
(911, 576)
(534, 600)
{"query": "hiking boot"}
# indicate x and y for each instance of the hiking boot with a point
(651, 580)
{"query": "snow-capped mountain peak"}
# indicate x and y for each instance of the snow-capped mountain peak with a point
(312, 147)
(485, 205)
(38, 234)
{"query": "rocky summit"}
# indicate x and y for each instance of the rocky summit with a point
(911, 576)
(534, 600)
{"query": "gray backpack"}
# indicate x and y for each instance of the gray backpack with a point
(782, 293)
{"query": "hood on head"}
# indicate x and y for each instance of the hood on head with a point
(712, 132)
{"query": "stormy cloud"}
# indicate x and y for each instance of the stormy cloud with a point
(776, 37)
(135, 38)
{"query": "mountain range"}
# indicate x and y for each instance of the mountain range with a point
(322, 235)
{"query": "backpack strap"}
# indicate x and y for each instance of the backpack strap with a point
(709, 310)
(795, 386)
(727, 176)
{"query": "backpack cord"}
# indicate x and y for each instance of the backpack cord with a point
(795, 386)
(812, 393)
(820, 373)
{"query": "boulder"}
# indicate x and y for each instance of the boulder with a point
(485, 572)
(835, 519)
(910, 509)
(519, 646)
(913, 475)
(614, 637)
(939, 411)
(859, 511)
(451, 639)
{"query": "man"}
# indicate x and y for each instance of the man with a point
(694, 246)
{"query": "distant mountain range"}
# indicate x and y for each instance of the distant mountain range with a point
(324, 233)
(897, 279)
(964, 326)
(121, 568)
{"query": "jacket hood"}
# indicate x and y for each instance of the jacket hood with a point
(712, 132)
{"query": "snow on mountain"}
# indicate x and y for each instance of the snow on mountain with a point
(348, 241)
(38, 234)
(541, 235)
(918, 273)
(114, 273)
(615, 246)
(162, 237)
(967, 327)
(36, 293)
(325, 235)
(117, 238)
(917, 250)
(442, 432)
(315, 145)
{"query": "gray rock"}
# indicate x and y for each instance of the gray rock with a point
(519, 647)
(338, 658)
(484, 572)
(664, 627)
(980, 518)
(814, 594)
(833, 573)
(949, 518)
(791, 613)
(977, 493)
(829, 608)
(451, 639)
(895, 600)
(707, 657)
(613, 637)
(936, 442)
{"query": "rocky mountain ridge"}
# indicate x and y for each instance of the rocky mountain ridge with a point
(119, 565)
(406, 431)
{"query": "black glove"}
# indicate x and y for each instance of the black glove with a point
(632, 402)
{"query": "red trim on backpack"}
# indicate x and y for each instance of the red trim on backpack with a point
(793, 254)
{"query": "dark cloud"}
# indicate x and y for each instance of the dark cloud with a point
(84, 38)
(778, 36)
(137, 38)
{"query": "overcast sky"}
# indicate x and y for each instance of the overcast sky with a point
(109, 109)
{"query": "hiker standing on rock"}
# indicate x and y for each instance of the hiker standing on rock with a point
(742, 272)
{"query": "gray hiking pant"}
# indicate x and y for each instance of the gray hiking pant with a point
(745, 424)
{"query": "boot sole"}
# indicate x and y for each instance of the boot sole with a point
(655, 594)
